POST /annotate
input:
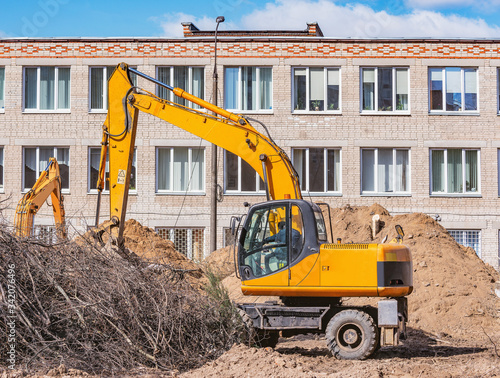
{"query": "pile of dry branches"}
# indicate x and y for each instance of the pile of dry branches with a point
(90, 309)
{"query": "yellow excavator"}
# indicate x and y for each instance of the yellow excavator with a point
(283, 248)
(48, 184)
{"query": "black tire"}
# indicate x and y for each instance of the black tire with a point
(352, 335)
(257, 337)
(267, 338)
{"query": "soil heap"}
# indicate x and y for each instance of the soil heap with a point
(221, 262)
(453, 288)
(146, 244)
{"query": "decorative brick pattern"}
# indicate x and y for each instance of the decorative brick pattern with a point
(191, 48)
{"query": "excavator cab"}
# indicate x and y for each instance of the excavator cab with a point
(274, 239)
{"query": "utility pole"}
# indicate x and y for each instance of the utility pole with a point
(213, 205)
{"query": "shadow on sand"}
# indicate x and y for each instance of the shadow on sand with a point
(418, 344)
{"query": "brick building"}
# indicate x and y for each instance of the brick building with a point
(411, 124)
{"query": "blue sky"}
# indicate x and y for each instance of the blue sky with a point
(337, 18)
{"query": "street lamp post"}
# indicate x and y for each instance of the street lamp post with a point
(213, 207)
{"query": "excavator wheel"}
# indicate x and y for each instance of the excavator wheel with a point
(257, 337)
(352, 335)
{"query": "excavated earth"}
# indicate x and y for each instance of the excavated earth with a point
(144, 243)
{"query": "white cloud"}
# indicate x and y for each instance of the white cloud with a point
(171, 23)
(356, 20)
(433, 4)
(350, 20)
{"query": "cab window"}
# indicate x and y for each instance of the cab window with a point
(320, 225)
(297, 232)
(265, 242)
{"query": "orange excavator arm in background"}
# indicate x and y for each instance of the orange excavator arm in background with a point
(48, 184)
(224, 129)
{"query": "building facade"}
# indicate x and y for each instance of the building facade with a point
(412, 124)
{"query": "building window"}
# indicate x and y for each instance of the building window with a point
(385, 89)
(93, 173)
(498, 170)
(453, 89)
(46, 88)
(47, 234)
(316, 89)
(180, 169)
(188, 241)
(2, 89)
(248, 88)
(99, 77)
(240, 177)
(498, 90)
(468, 238)
(1, 169)
(319, 169)
(455, 171)
(36, 160)
(498, 266)
(191, 79)
(385, 170)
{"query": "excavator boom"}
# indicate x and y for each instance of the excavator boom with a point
(48, 184)
(227, 130)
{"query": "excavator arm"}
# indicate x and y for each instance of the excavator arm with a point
(232, 132)
(48, 184)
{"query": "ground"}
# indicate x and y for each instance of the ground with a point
(307, 356)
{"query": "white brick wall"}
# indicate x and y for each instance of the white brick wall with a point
(79, 129)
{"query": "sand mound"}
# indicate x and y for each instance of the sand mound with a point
(150, 247)
(241, 359)
(221, 261)
(453, 288)
(353, 224)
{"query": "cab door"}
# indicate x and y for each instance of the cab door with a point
(264, 252)
(304, 261)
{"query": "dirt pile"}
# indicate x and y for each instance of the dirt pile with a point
(306, 356)
(145, 243)
(353, 224)
(242, 361)
(453, 288)
(221, 262)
